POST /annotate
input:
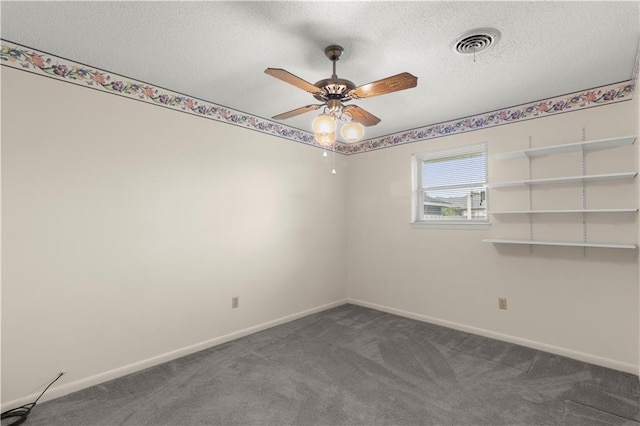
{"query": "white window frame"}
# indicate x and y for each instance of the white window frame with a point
(417, 199)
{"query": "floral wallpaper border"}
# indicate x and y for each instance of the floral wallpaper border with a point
(31, 60)
(27, 59)
(572, 102)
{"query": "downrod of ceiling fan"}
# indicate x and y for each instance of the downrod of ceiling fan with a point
(334, 52)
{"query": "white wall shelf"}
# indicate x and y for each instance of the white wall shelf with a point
(561, 149)
(566, 211)
(561, 243)
(583, 180)
(569, 179)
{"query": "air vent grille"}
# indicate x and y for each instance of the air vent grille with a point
(475, 41)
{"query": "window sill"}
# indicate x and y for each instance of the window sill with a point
(451, 225)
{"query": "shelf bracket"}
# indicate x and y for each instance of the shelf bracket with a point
(584, 194)
(530, 199)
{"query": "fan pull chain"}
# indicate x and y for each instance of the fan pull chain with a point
(333, 171)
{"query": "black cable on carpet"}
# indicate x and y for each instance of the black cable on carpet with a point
(22, 412)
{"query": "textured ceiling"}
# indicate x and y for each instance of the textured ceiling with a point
(217, 51)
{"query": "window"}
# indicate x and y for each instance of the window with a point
(450, 188)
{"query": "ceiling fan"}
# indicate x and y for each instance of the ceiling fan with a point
(334, 91)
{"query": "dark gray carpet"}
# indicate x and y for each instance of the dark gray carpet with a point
(356, 366)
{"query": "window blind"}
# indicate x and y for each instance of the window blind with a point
(451, 185)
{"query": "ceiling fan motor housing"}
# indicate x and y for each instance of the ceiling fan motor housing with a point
(334, 88)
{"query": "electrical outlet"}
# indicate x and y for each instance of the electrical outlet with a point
(235, 302)
(502, 303)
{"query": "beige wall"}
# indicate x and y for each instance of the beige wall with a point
(127, 229)
(560, 299)
(636, 101)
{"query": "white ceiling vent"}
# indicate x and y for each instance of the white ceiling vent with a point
(475, 41)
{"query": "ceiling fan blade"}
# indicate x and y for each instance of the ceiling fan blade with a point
(296, 111)
(386, 85)
(287, 77)
(360, 115)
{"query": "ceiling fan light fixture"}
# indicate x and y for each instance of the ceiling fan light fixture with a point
(352, 132)
(324, 124)
(333, 92)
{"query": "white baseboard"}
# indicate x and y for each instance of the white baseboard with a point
(569, 353)
(58, 391)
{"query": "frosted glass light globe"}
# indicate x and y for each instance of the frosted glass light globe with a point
(324, 124)
(352, 132)
(326, 139)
